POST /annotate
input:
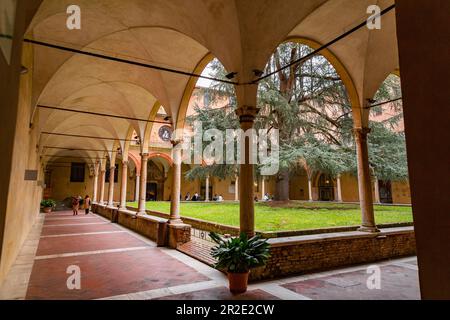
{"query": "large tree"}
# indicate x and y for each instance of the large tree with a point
(308, 104)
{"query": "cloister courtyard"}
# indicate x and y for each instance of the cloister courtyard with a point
(294, 215)
(224, 150)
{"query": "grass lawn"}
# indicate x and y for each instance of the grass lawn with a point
(296, 215)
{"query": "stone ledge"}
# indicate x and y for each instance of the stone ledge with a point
(286, 241)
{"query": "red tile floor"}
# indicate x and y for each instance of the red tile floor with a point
(116, 263)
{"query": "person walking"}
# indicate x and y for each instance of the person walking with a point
(75, 205)
(87, 204)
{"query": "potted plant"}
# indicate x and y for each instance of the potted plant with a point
(48, 205)
(237, 256)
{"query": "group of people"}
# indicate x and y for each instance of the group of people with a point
(217, 198)
(196, 197)
(266, 197)
(79, 201)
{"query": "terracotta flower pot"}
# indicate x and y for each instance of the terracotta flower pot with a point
(48, 209)
(238, 282)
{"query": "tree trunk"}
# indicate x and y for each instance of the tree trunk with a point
(282, 186)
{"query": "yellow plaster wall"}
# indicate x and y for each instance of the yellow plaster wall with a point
(349, 188)
(23, 202)
(401, 193)
(298, 187)
(61, 187)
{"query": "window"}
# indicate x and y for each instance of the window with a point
(77, 172)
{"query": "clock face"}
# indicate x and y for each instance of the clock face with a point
(165, 133)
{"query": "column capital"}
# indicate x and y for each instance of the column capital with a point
(247, 113)
(125, 162)
(176, 142)
(144, 156)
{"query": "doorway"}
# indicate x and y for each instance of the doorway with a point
(385, 191)
(326, 188)
(152, 191)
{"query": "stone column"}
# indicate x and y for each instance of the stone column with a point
(136, 187)
(263, 187)
(376, 186)
(174, 217)
(236, 189)
(111, 186)
(143, 186)
(339, 188)
(310, 195)
(102, 187)
(207, 189)
(247, 116)
(94, 196)
(123, 185)
(364, 181)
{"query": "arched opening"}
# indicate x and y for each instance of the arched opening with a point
(387, 145)
(311, 104)
(326, 187)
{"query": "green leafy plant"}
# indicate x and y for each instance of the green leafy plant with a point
(48, 203)
(239, 254)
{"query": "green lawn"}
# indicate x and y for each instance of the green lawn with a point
(296, 215)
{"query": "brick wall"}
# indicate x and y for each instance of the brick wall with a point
(304, 254)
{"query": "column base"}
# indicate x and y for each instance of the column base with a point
(178, 234)
(177, 221)
(368, 229)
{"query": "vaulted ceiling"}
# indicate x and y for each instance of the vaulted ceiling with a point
(183, 35)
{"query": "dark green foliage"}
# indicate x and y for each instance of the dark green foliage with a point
(308, 104)
(240, 254)
(48, 203)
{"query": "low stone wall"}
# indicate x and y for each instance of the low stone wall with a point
(198, 224)
(152, 227)
(304, 254)
(293, 233)
(234, 231)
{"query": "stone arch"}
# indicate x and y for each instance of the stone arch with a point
(343, 73)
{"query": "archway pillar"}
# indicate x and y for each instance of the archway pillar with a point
(236, 188)
(143, 184)
(339, 188)
(310, 194)
(136, 187)
(95, 190)
(123, 185)
(376, 186)
(102, 187)
(247, 116)
(364, 181)
(207, 189)
(263, 187)
(174, 217)
(112, 170)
